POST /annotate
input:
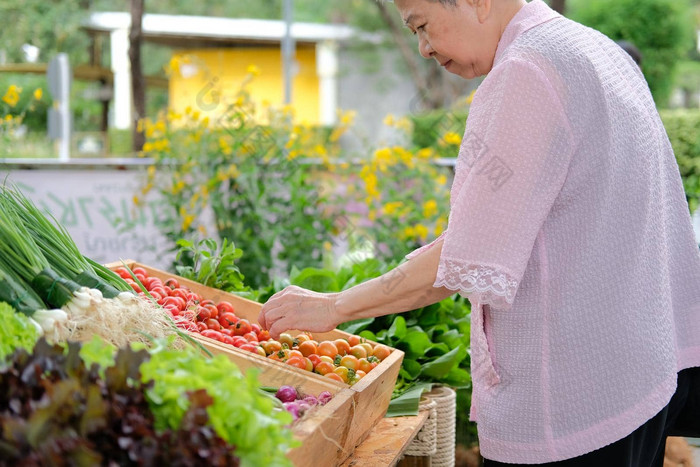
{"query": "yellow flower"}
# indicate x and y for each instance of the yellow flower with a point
(442, 180)
(195, 115)
(173, 116)
(160, 126)
(38, 92)
(11, 97)
(389, 120)
(429, 208)
(187, 221)
(408, 232)
(421, 231)
(8, 118)
(372, 214)
(136, 200)
(404, 124)
(178, 187)
(188, 110)
(425, 153)
(293, 154)
(148, 146)
(146, 189)
(440, 226)
(202, 229)
(452, 138)
(470, 97)
(205, 122)
(392, 207)
(327, 246)
(348, 118)
(151, 171)
(253, 70)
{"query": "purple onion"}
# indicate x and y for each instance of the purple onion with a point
(325, 397)
(287, 394)
(292, 408)
(311, 400)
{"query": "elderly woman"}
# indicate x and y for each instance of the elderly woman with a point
(570, 234)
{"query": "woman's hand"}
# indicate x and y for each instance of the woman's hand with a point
(297, 308)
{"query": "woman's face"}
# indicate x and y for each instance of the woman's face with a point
(462, 38)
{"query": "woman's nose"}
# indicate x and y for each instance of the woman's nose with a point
(424, 48)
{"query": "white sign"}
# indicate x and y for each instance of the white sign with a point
(96, 206)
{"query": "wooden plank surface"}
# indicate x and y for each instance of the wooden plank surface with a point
(387, 441)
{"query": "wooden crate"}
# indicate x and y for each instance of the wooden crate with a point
(328, 438)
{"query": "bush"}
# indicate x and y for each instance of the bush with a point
(661, 30)
(683, 128)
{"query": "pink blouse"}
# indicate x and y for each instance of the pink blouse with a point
(570, 234)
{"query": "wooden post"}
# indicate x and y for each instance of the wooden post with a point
(138, 84)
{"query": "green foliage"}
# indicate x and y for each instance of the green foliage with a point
(16, 332)
(683, 128)
(211, 264)
(56, 410)
(256, 178)
(661, 30)
(240, 413)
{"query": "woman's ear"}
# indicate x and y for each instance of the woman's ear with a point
(483, 9)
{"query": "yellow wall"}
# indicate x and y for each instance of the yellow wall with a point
(198, 71)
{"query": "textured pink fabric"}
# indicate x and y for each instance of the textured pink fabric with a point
(570, 234)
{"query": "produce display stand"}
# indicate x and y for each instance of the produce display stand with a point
(330, 434)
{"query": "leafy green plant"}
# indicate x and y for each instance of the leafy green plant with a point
(661, 29)
(683, 128)
(16, 332)
(211, 264)
(55, 410)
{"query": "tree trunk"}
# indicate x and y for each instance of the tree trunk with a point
(138, 83)
(559, 6)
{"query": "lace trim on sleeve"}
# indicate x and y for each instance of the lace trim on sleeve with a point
(483, 284)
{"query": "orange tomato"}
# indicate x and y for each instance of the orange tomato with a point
(350, 362)
(358, 351)
(298, 362)
(309, 364)
(326, 358)
(315, 359)
(354, 340)
(343, 372)
(343, 346)
(307, 348)
(324, 368)
(328, 349)
(364, 365)
(367, 346)
(359, 374)
(303, 337)
(295, 353)
(271, 347)
(335, 377)
(381, 351)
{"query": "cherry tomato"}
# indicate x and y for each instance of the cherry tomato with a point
(243, 327)
(141, 278)
(342, 345)
(326, 358)
(213, 311)
(353, 340)
(239, 341)
(358, 351)
(213, 324)
(202, 327)
(191, 297)
(212, 334)
(224, 307)
(350, 362)
(249, 347)
(343, 372)
(139, 270)
(295, 353)
(264, 335)
(256, 327)
(364, 365)
(271, 347)
(177, 302)
(182, 293)
(156, 296)
(160, 290)
(359, 374)
(328, 349)
(228, 340)
(324, 368)
(206, 301)
(260, 351)
(334, 377)
(367, 346)
(309, 364)
(297, 362)
(303, 337)
(286, 339)
(227, 332)
(123, 272)
(307, 348)
(227, 318)
(251, 337)
(133, 285)
(203, 314)
(381, 351)
(315, 359)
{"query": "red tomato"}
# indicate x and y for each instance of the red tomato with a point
(323, 368)
(160, 290)
(213, 324)
(264, 335)
(206, 301)
(172, 309)
(228, 340)
(182, 293)
(212, 334)
(213, 311)
(225, 306)
(177, 301)
(191, 297)
(256, 328)
(156, 296)
(243, 327)
(139, 270)
(298, 362)
(133, 285)
(249, 347)
(250, 337)
(315, 359)
(227, 319)
(201, 327)
(227, 332)
(172, 283)
(123, 272)
(239, 341)
(203, 314)
(141, 278)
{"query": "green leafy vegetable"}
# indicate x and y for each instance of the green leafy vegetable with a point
(16, 331)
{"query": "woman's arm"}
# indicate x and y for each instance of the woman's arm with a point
(407, 287)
